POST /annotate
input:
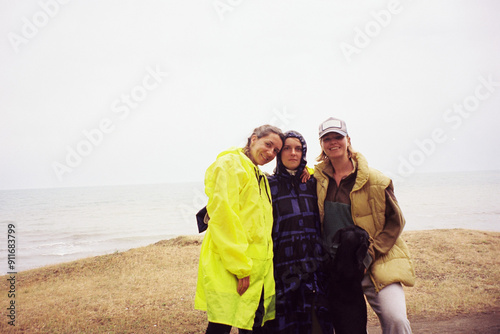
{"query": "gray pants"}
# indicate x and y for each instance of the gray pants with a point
(390, 306)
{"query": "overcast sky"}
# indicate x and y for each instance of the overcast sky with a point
(132, 92)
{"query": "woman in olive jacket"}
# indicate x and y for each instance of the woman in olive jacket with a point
(351, 193)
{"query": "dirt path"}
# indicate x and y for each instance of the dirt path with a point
(483, 323)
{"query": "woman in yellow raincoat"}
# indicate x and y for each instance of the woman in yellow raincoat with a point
(235, 276)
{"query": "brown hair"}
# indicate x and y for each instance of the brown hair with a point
(263, 131)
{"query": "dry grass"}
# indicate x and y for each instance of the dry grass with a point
(151, 289)
(457, 272)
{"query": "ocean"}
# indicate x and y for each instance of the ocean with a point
(64, 224)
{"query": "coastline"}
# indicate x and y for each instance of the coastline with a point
(47, 259)
(61, 225)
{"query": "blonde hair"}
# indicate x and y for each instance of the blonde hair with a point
(323, 157)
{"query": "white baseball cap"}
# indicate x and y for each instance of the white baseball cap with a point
(332, 125)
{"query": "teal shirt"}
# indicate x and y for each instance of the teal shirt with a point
(337, 216)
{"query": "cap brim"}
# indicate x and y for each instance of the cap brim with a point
(343, 133)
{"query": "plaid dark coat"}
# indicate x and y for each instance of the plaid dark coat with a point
(298, 252)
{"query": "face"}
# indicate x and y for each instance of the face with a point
(335, 145)
(291, 154)
(264, 149)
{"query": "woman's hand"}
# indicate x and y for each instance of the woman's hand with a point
(305, 176)
(243, 284)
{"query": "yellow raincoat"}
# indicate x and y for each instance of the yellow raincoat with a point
(237, 243)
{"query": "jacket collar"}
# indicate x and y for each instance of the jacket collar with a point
(360, 163)
(363, 170)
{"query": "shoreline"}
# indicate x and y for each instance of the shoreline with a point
(56, 259)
